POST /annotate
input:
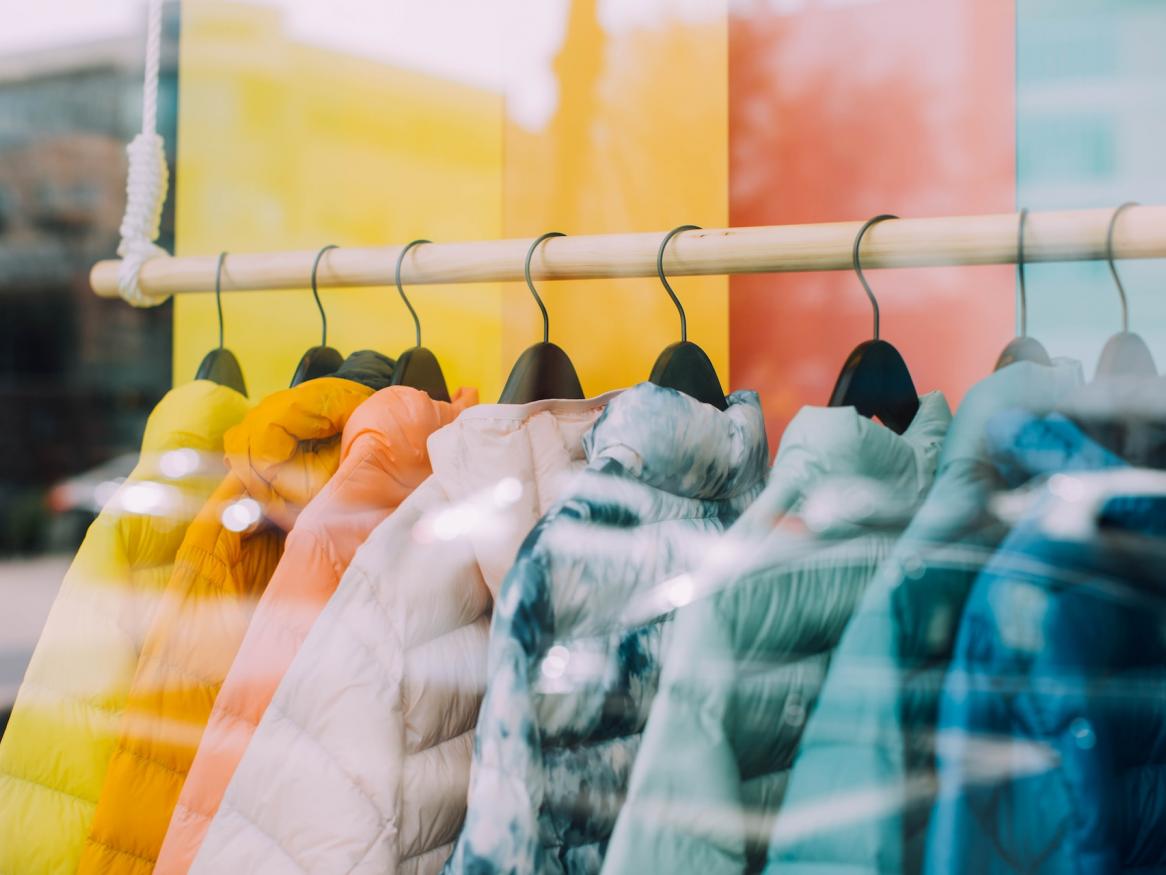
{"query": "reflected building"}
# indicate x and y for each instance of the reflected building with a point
(78, 375)
(1090, 133)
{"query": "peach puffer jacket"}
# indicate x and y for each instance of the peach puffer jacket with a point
(279, 456)
(59, 740)
(383, 459)
(361, 761)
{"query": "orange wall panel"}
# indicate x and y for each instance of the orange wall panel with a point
(620, 126)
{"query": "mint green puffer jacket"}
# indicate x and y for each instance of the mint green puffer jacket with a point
(749, 654)
(864, 781)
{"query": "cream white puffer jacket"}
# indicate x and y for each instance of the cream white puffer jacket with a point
(361, 762)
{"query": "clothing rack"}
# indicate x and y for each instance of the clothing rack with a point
(1069, 235)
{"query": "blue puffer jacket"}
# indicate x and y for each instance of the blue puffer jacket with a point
(862, 786)
(1052, 745)
(571, 680)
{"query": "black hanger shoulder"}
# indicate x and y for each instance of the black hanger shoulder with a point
(319, 361)
(418, 368)
(876, 382)
(542, 372)
(220, 366)
(686, 367)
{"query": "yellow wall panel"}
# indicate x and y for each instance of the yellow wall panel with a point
(286, 145)
(596, 121)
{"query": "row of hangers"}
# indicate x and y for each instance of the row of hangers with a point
(1124, 354)
(874, 379)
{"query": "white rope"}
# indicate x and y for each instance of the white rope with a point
(148, 179)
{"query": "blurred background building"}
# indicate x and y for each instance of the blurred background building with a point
(78, 375)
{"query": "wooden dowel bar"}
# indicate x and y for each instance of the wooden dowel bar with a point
(1074, 235)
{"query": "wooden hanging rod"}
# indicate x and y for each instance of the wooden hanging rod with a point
(1072, 235)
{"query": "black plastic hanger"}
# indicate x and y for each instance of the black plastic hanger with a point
(874, 379)
(1125, 354)
(544, 371)
(418, 367)
(1022, 348)
(684, 366)
(220, 365)
(322, 360)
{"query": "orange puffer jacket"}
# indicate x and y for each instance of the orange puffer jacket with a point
(383, 459)
(280, 456)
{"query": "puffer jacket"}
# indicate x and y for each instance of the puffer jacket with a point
(571, 677)
(863, 782)
(747, 660)
(1052, 728)
(56, 749)
(361, 761)
(383, 458)
(280, 456)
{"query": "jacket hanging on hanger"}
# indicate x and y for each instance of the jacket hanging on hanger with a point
(570, 680)
(360, 762)
(871, 733)
(55, 751)
(383, 459)
(1051, 746)
(748, 656)
(280, 456)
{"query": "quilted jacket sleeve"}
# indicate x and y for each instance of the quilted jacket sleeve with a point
(306, 577)
(59, 740)
(1048, 726)
(57, 744)
(864, 769)
(359, 763)
(743, 670)
(204, 612)
(683, 807)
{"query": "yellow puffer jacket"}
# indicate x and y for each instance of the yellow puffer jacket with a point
(56, 750)
(280, 456)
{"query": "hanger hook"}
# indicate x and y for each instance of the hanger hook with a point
(530, 283)
(858, 265)
(400, 288)
(1125, 305)
(316, 293)
(219, 294)
(1023, 290)
(664, 280)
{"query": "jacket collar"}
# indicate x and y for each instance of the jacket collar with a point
(673, 442)
(1027, 385)
(502, 466)
(842, 459)
(193, 415)
(1023, 445)
(288, 446)
(398, 420)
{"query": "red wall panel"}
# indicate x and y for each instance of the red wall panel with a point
(842, 109)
